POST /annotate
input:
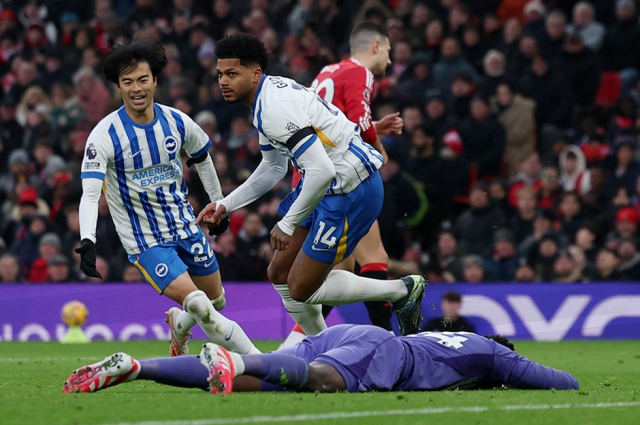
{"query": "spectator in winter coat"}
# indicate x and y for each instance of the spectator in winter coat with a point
(581, 67)
(476, 225)
(484, 139)
(451, 63)
(517, 116)
(584, 24)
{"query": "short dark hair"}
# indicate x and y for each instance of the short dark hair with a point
(124, 57)
(364, 34)
(245, 47)
(502, 340)
(452, 297)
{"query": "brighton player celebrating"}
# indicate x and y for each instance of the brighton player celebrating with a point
(354, 358)
(335, 203)
(135, 153)
(349, 85)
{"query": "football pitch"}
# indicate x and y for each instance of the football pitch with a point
(31, 377)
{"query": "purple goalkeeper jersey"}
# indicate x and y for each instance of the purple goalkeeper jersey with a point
(371, 359)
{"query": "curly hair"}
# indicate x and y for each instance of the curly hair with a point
(125, 57)
(502, 341)
(245, 47)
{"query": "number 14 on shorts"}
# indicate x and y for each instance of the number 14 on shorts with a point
(325, 237)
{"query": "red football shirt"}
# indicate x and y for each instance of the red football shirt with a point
(349, 86)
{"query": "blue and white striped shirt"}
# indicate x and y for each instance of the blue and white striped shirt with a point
(143, 176)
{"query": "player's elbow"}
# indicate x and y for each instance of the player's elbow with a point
(328, 172)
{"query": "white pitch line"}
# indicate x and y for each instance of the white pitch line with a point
(408, 412)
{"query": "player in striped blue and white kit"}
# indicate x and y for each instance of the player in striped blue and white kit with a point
(133, 154)
(335, 203)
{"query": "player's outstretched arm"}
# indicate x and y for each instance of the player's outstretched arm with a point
(88, 215)
(208, 176)
(525, 374)
(271, 170)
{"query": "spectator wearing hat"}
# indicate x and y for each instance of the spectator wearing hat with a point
(503, 263)
(581, 67)
(451, 320)
(607, 263)
(624, 170)
(476, 225)
(534, 13)
(450, 64)
(473, 269)
(18, 215)
(11, 132)
(483, 138)
(59, 270)
(584, 24)
(565, 269)
(521, 224)
(621, 45)
(517, 116)
(10, 270)
(437, 114)
(626, 224)
(48, 247)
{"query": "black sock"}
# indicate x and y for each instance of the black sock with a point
(379, 311)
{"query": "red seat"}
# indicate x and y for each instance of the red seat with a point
(609, 90)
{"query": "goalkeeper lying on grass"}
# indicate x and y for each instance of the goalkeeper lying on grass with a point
(354, 358)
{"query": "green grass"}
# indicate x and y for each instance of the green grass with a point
(31, 376)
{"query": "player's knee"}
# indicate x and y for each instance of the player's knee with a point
(299, 291)
(324, 378)
(198, 305)
(277, 275)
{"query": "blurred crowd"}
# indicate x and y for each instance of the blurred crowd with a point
(519, 158)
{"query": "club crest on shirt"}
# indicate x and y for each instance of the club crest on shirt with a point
(170, 144)
(92, 152)
(291, 128)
